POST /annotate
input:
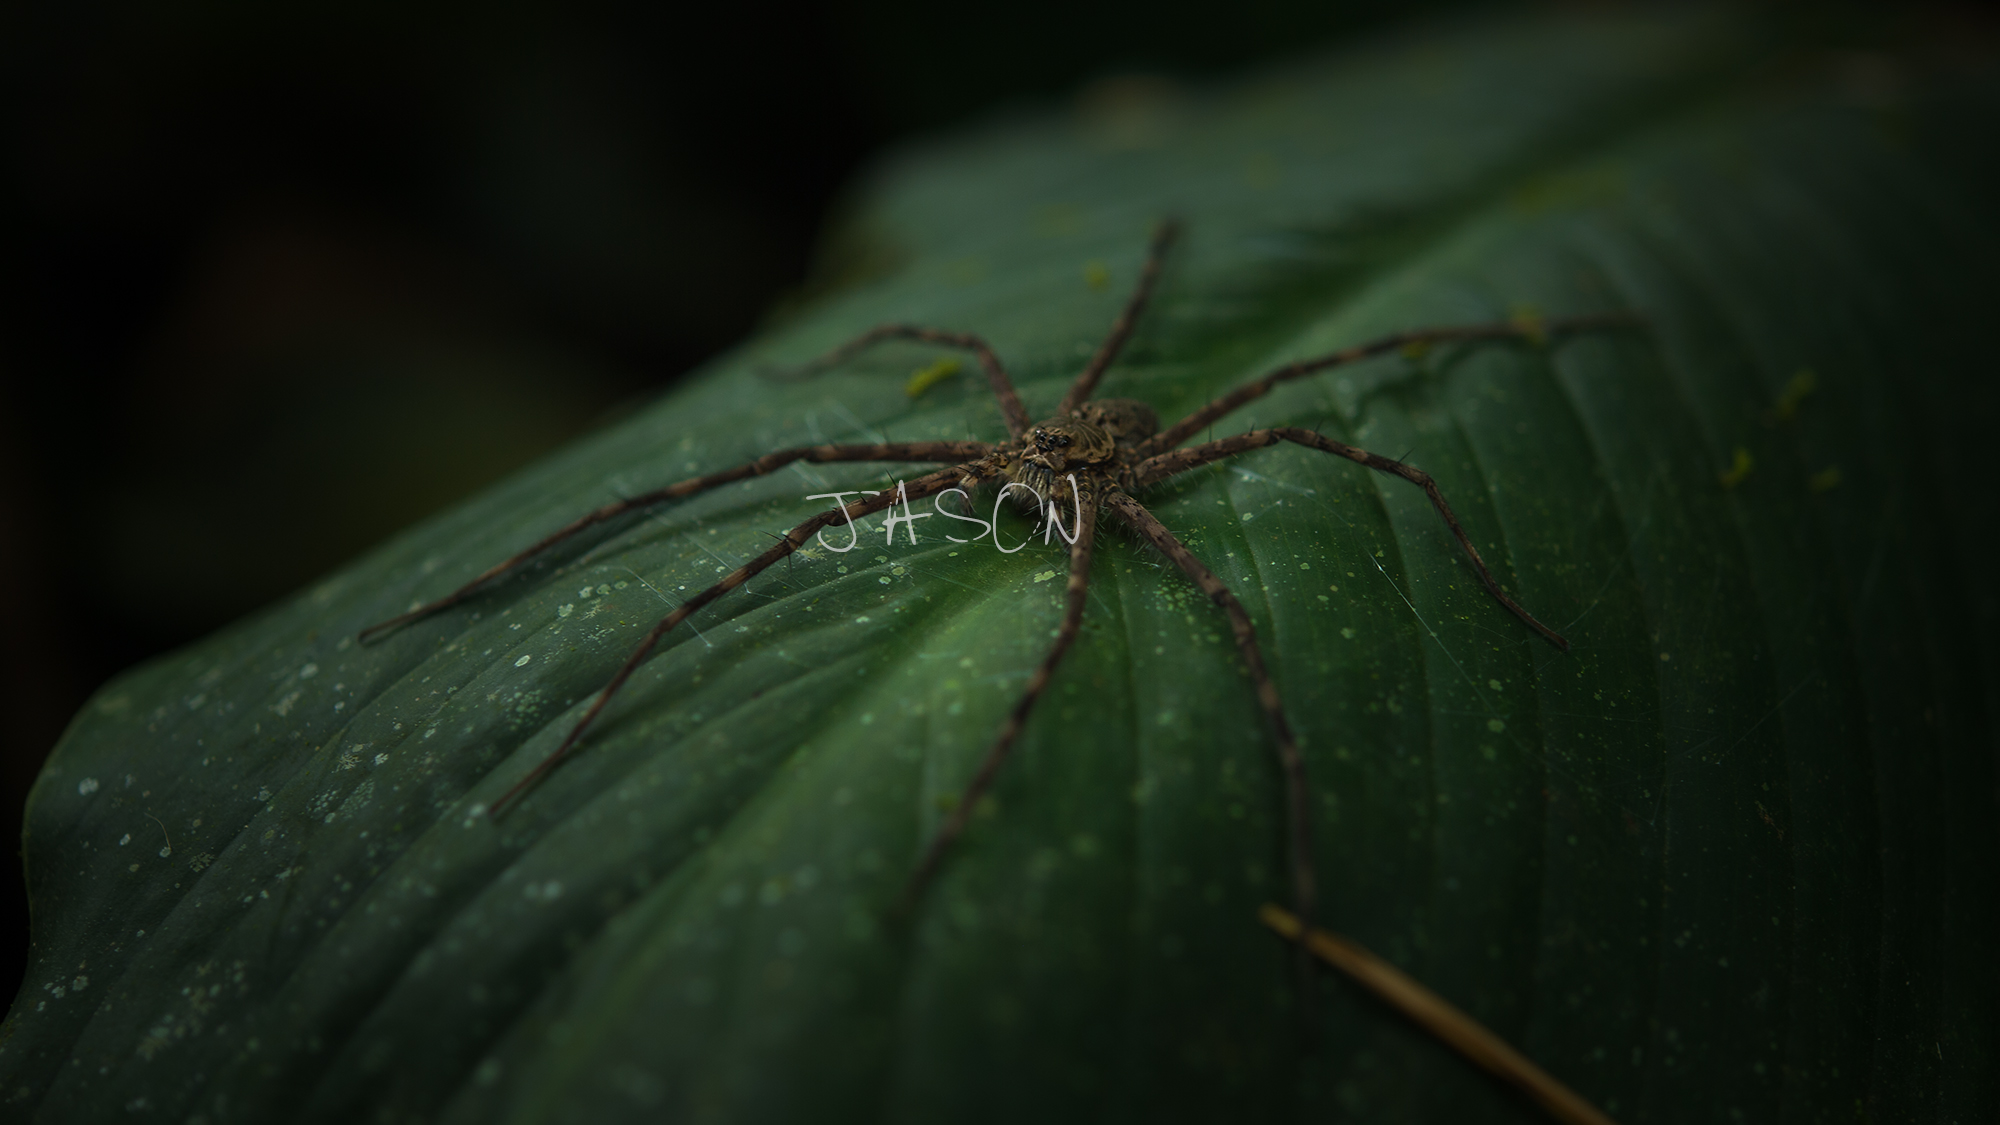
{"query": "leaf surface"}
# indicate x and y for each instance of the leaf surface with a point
(1733, 854)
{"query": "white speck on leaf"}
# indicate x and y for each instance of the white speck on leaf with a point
(87, 786)
(521, 663)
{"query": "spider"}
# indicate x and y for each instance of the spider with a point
(1089, 456)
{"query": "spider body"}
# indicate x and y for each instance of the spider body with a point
(1098, 444)
(1090, 457)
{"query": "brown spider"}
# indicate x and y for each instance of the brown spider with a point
(1088, 457)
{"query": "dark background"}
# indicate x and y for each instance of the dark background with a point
(279, 280)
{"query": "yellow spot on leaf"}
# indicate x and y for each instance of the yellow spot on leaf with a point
(1528, 320)
(924, 378)
(1261, 172)
(1795, 392)
(1738, 469)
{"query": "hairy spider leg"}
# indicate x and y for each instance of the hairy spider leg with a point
(954, 824)
(923, 486)
(1159, 468)
(948, 451)
(1298, 832)
(1011, 410)
(1121, 329)
(1257, 388)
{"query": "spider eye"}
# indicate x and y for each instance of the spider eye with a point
(1063, 441)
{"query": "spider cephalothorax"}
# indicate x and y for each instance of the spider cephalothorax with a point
(1098, 444)
(1111, 449)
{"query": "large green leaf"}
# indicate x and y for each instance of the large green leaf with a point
(1733, 857)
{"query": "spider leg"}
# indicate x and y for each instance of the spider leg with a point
(1015, 415)
(1532, 331)
(1298, 830)
(794, 539)
(1121, 329)
(1165, 465)
(1003, 744)
(951, 451)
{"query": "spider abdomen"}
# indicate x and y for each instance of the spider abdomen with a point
(1126, 421)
